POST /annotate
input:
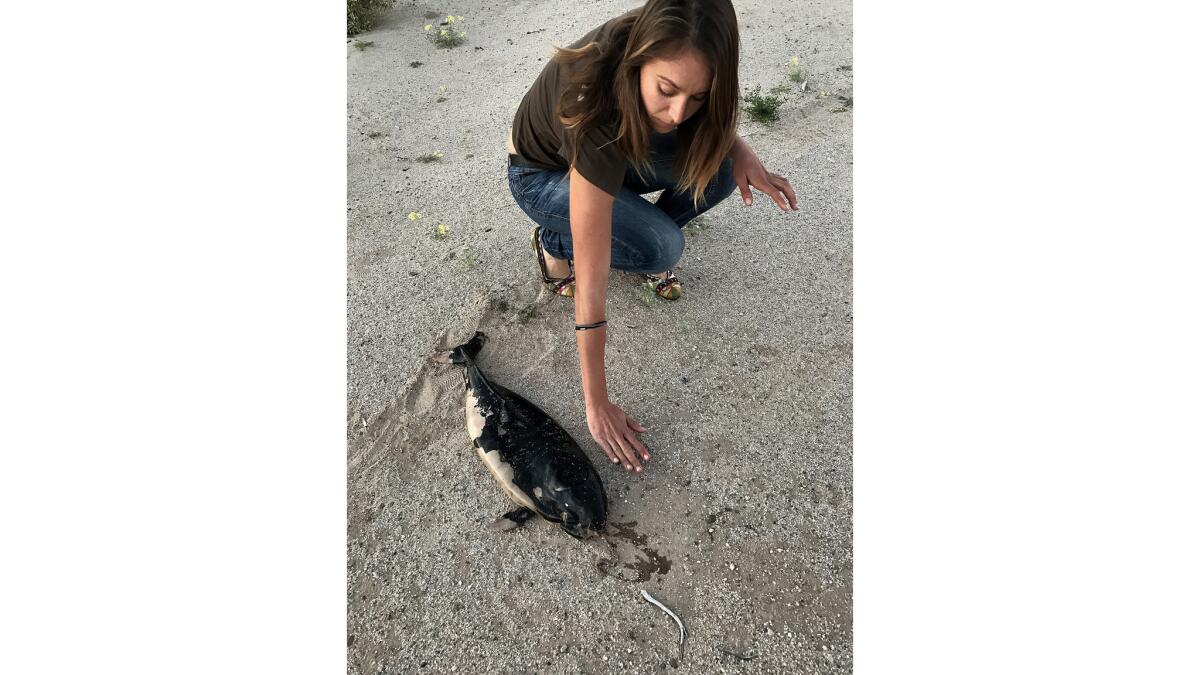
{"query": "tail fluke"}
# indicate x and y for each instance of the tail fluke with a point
(464, 352)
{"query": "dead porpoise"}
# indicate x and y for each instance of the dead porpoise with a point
(537, 463)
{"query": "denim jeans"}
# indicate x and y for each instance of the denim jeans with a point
(646, 237)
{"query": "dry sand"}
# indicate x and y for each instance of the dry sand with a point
(742, 521)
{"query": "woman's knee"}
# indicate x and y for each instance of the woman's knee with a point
(648, 248)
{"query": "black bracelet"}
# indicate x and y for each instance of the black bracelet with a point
(589, 326)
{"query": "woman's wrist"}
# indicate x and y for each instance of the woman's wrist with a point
(594, 401)
(591, 366)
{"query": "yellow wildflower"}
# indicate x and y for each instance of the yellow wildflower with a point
(428, 26)
(413, 215)
(449, 19)
(442, 229)
(444, 32)
(795, 61)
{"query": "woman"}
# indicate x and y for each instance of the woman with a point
(648, 101)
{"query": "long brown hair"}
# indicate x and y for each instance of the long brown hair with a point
(603, 85)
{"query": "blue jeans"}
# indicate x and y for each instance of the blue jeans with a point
(646, 237)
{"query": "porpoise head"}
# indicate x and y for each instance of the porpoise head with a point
(582, 509)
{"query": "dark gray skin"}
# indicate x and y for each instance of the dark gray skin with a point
(534, 460)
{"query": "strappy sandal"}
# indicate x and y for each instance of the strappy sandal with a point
(565, 286)
(667, 288)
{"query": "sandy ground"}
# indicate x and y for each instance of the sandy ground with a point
(742, 522)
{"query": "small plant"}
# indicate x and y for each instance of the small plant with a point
(441, 93)
(470, 259)
(446, 37)
(762, 108)
(527, 314)
(798, 73)
(441, 232)
(414, 216)
(649, 294)
(695, 225)
(360, 45)
(431, 157)
(364, 14)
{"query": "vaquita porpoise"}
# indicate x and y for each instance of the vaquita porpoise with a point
(535, 461)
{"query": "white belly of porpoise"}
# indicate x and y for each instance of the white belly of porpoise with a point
(500, 470)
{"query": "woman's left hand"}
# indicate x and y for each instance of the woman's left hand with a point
(747, 171)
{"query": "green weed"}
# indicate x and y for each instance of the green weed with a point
(762, 107)
(446, 35)
(695, 226)
(362, 15)
(648, 295)
(526, 314)
(798, 73)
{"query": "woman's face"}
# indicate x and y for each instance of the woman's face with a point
(674, 89)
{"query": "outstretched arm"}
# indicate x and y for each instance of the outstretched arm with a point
(591, 234)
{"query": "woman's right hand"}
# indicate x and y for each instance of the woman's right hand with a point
(616, 433)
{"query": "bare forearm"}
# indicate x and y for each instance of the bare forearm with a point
(591, 290)
(591, 234)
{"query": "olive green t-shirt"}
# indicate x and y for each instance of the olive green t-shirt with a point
(540, 138)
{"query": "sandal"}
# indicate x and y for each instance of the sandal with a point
(565, 286)
(667, 288)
